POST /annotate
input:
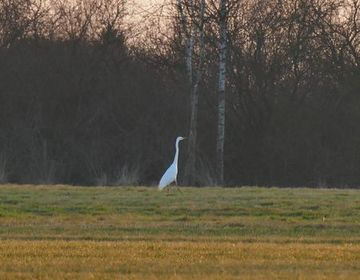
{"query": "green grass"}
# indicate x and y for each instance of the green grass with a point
(108, 213)
(268, 232)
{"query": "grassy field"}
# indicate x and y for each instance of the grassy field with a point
(57, 232)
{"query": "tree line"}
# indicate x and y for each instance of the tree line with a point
(267, 91)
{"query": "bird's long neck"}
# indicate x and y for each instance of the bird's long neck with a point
(177, 152)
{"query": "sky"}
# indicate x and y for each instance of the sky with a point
(141, 14)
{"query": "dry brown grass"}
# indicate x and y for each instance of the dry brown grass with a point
(58, 259)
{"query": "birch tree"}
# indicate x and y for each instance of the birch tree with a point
(192, 18)
(220, 141)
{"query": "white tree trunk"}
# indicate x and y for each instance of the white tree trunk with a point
(221, 93)
(188, 17)
(194, 100)
(187, 29)
(189, 56)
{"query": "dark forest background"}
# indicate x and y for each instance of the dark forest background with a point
(86, 99)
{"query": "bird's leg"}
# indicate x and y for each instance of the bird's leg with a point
(177, 187)
(167, 190)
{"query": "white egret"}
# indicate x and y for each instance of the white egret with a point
(171, 173)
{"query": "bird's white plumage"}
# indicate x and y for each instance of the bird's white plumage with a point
(168, 177)
(171, 173)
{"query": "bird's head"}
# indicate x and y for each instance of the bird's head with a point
(180, 138)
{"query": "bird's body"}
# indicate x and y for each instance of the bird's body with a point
(170, 174)
(168, 177)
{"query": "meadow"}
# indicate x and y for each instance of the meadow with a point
(67, 232)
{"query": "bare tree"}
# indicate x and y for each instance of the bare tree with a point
(192, 150)
(220, 141)
(192, 20)
(20, 19)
